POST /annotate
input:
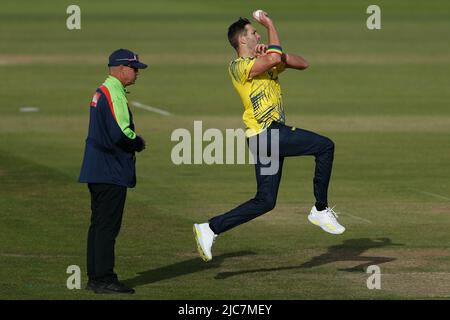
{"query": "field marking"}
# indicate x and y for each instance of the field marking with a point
(45, 256)
(177, 58)
(148, 108)
(355, 217)
(433, 194)
(28, 109)
(417, 273)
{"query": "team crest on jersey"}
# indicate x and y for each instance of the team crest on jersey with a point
(95, 99)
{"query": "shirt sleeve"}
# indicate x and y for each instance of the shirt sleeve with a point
(123, 117)
(118, 125)
(240, 69)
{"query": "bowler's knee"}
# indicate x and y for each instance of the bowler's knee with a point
(270, 204)
(328, 145)
(267, 204)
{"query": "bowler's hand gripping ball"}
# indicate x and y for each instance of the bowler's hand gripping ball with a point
(257, 15)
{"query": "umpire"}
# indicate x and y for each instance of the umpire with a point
(109, 168)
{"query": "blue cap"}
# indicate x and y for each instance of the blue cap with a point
(124, 57)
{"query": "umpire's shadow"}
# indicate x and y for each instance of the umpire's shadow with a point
(180, 268)
(350, 250)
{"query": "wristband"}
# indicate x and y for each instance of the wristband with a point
(274, 49)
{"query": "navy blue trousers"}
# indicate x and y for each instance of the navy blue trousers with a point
(292, 142)
(107, 205)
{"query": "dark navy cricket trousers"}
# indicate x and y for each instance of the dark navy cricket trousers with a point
(107, 205)
(292, 142)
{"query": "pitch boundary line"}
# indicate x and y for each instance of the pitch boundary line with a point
(433, 195)
(149, 108)
(355, 217)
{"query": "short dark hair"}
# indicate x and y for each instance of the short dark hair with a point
(235, 30)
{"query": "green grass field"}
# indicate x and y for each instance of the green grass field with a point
(381, 95)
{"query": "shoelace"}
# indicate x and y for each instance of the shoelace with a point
(334, 214)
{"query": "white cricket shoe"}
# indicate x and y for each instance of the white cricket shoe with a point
(326, 219)
(204, 237)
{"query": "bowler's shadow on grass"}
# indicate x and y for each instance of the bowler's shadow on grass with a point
(180, 269)
(349, 250)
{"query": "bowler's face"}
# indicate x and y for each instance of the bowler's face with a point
(252, 37)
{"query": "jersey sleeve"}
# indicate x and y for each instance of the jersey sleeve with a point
(239, 69)
(123, 117)
(118, 123)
